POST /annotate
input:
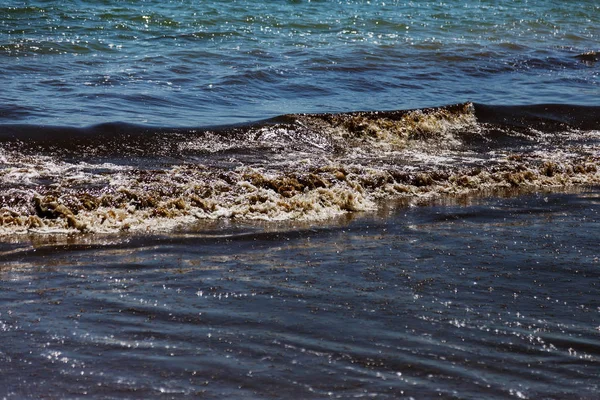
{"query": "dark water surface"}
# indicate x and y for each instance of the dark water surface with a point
(493, 298)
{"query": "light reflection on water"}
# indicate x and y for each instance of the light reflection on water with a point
(493, 298)
(228, 62)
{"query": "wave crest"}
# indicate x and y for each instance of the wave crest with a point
(118, 177)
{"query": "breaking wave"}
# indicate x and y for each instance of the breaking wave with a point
(119, 177)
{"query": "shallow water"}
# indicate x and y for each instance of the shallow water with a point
(192, 202)
(493, 298)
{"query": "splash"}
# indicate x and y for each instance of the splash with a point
(304, 167)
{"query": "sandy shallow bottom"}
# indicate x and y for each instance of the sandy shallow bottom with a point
(461, 298)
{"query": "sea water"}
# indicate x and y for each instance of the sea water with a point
(299, 199)
(198, 63)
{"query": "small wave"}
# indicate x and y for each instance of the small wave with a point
(589, 57)
(368, 132)
(543, 117)
(11, 112)
(120, 177)
(76, 198)
(334, 133)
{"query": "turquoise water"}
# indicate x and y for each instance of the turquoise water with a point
(198, 63)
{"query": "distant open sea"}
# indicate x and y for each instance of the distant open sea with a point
(299, 199)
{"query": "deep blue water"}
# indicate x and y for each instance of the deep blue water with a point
(198, 63)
